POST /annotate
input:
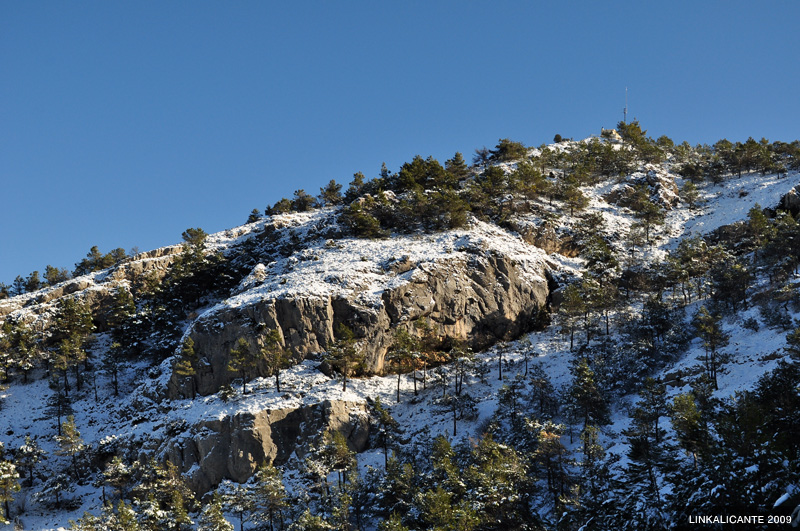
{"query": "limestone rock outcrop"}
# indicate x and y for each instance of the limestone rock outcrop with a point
(234, 446)
(479, 297)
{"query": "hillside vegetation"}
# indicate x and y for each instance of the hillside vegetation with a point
(596, 334)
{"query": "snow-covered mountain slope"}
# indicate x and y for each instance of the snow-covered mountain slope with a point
(483, 285)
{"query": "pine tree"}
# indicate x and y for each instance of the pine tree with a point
(457, 167)
(117, 475)
(573, 307)
(28, 350)
(685, 419)
(336, 454)
(344, 355)
(311, 522)
(240, 500)
(54, 275)
(394, 523)
(440, 512)
(33, 282)
(709, 328)
(690, 195)
(402, 354)
(274, 354)
(271, 494)
(185, 364)
(303, 202)
(388, 427)
(497, 480)
(650, 460)
(586, 395)
(112, 363)
(9, 484)
(597, 496)
(212, 519)
(331, 193)
(59, 406)
(242, 360)
(126, 518)
(356, 187)
(70, 443)
(552, 456)
(28, 455)
(18, 286)
(72, 331)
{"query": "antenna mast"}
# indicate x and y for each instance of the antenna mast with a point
(625, 110)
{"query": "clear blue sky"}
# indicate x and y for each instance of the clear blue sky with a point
(122, 124)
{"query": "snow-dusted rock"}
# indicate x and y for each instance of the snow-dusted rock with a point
(478, 286)
(233, 446)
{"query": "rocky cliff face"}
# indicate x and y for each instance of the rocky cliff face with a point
(479, 296)
(234, 446)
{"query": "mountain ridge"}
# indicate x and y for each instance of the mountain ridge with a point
(312, 255)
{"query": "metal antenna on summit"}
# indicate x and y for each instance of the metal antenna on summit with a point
(625, 110)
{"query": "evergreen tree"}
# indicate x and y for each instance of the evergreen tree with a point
(356, 187)
(117, 475)
(457, 167)
(243, 359)
(33, 282)
(331, 193)
(542, 397)
(552, 458)
(709, 328)
(240, 500)
(274, 354)
(336, 454)
(597, 509)
(18, 286)
(401, 354)
(482, 156)
(388, 428)
(9, 484)
(311, 522)
(344, 355)
(359, 221)
(394, 523)
(439, 512)
(689, 194)
(685, 419)
(507, 149)
(283, 206)
(28, 456)
(271, 494)
(112, 363)
(185, 364)
(70, 443)
(649, 461)
(573, 307)
(72, 331)
(212, 519)
(586, 395)
(303, 202)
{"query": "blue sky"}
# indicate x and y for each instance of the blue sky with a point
(122, 124)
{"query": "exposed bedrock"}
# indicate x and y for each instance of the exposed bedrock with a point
(234, 446)
(478, 298)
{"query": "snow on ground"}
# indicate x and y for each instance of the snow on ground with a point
(350, 265)
(730, 202)
(359, 267)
